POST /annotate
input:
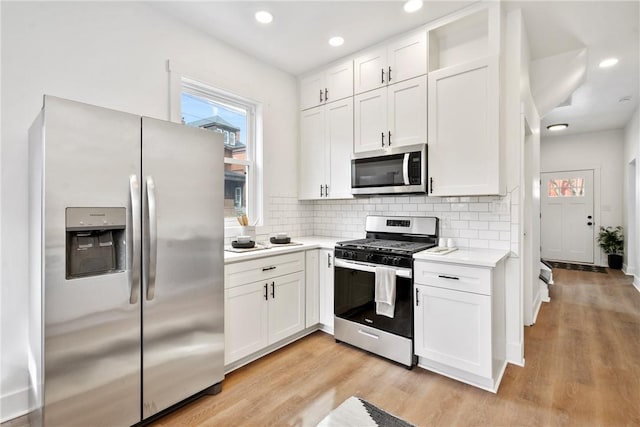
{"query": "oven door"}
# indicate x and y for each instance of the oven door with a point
(354, 297)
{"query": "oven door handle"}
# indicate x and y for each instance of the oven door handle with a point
(371, 268)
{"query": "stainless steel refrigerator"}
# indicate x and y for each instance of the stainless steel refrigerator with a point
(126, 244)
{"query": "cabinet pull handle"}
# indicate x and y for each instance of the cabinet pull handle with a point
(320, 190)
(326, 190)
(448, 277)
(320, 95)
(326, 94)
(389, 141)
(389, 75)
(431, 185)
(417, 297)
(382, 136)
(328, 260)
(266, 292)
(382, 76)
(273, 267)
(273, 289)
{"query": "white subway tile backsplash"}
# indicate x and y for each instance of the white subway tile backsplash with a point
(489, 235)
(479, 207)
(469, 234)
(479, 225)
(471, 216)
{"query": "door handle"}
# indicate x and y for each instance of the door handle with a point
(273, 289)
(134, 253)
(152, 249)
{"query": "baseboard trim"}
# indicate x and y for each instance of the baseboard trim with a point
(515, 354)
(14, 404)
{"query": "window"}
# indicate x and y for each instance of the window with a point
(235, 119)
(572, 187)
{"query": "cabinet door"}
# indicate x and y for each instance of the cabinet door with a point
(454, 328)
(312, 154)
(245, 321)
(339, 81)
(370, 70)
(407, 57)
(312, 289)
(312, 90)
(326, 289)
(370, 120)
(286, 306)
(463, 129)
(339, 140)
(407, 112)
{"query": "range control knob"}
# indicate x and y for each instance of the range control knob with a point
(385, 260)
(396, 261)
(369, 257)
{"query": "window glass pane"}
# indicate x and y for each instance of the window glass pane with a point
(218, 116)
(235, 190)
(571, 187)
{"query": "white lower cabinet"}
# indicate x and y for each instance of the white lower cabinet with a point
(265, 311)
(459, 321)
(326, 289)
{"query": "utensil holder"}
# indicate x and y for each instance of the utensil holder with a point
(248, 230)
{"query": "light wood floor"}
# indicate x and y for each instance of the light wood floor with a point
(582, 368)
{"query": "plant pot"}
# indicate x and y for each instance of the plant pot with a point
(615, 261)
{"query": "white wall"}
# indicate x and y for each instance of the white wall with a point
(631, 153)
(596, 150)
(114, 55)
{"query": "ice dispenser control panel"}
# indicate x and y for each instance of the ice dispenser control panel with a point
(95, 241)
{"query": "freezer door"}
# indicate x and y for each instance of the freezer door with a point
(90, 158)
(183, 315)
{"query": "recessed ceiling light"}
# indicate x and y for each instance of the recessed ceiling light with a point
(264, 17)
(336, 41)
(412, 5)
(557, 126)
(609, 62)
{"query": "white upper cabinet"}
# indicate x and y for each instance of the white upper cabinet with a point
(401, 59)
(391, 116)
(326, 146)
(464, 104)
(332, 84)
(407, 112)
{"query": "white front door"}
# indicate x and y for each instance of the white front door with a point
(567, 224)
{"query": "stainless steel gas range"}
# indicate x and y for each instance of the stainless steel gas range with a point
(371, 270)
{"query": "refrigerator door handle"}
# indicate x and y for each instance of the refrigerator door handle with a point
(152, 253)
(134, 253)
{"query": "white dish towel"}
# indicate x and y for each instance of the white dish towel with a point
(385, 291)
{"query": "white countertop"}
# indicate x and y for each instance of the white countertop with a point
(308, 242)
(467, 256)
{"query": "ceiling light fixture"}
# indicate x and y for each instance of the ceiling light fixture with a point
(412, 5)
(557, 127)
(264, 17)
(610, 62)
(336, 41)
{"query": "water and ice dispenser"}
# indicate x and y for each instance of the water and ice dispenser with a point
(95, 241)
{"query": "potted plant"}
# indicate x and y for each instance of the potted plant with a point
(611, 241)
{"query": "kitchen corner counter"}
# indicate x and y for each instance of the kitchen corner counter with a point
(467, 256)
(308, 242)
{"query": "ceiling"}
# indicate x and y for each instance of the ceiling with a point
(296, 41)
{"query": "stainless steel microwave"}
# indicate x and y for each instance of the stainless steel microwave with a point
(398, 170)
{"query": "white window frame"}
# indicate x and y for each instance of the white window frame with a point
(179, 83)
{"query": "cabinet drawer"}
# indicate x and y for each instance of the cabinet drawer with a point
(261, 269)
(451, 276)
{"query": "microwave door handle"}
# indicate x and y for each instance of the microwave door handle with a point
(405, 169)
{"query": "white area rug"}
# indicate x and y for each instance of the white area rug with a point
(355, 412)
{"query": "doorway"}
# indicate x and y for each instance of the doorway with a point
(567, 221)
